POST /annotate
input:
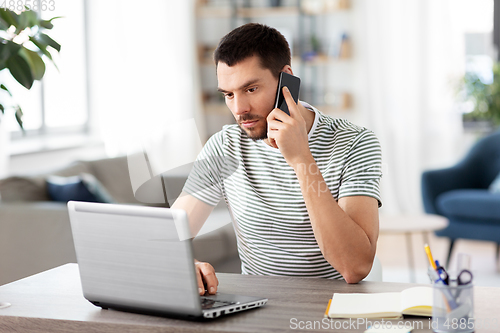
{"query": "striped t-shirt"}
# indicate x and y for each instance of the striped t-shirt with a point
(273, 228)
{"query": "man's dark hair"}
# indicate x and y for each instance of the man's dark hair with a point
(254, 39)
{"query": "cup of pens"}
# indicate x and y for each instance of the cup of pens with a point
(453, 296)
(453, 308)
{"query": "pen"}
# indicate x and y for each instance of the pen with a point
(429, 256)
(443, 275)
(448, 297)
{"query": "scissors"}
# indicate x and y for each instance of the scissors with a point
(462, 279)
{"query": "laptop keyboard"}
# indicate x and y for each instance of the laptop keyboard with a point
(207, 303)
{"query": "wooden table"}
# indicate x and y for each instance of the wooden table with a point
(52, 301)
(408, 225)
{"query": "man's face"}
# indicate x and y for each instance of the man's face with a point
(250, 91)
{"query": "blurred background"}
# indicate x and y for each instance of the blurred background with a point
(130, 71)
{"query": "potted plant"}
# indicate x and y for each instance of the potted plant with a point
(485, 97)
(24, 50)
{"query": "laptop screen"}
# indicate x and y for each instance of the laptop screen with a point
(133, 256)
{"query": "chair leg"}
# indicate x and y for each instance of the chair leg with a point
(498, 252)
(452, 243)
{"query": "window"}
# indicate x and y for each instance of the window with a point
(58, 103)
(478, 33)
(475, 21)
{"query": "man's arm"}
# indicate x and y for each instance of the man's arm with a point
(198, 212)
(346, 231)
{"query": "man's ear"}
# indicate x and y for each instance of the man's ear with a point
(287, 69)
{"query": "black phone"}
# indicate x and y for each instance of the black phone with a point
(293, 84)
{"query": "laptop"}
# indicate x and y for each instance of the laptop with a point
(132, 258)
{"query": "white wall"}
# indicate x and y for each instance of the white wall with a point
(44, 161)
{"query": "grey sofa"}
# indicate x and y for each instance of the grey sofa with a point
(35, 234)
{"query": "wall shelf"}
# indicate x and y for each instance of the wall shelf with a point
(214, 12)
(259, 12)
(267, 12)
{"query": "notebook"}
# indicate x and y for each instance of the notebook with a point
(139, 259)
(416, 301)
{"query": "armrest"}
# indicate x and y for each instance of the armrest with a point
(435, 182)
(34, 237)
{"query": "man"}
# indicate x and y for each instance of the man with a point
(303, 190)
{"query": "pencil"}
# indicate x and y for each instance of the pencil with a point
(328, 308)
(429, 255)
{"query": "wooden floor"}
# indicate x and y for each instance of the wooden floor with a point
(392, 252)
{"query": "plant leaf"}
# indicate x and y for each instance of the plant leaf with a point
(20, 70)
(42, 47)
(4, 51)
(23, 23)
(47, 24)
(19, 117)
(3, 24)
(48, 41)
(28, 18)
(3, 87)
(9, 17)
(7, 49)
(55, 18)
(32, 18)
(35, 62)
(2, 109)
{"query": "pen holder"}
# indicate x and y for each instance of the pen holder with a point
(453, 308)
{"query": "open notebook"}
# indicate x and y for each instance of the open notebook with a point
(416, 301)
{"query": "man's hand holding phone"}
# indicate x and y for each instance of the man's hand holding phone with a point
(293, 85)
(288, 133)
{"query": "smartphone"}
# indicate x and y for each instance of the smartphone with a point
(293, 84)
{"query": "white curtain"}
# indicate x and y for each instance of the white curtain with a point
(409, 53)
(4, 147)
(144, 74)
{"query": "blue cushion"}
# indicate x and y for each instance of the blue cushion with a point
(471, 229)
(84, 187)
(473, 204)
(495, 185)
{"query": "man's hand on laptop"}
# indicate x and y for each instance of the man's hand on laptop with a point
(205, 274)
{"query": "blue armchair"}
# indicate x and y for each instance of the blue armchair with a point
(461, 194)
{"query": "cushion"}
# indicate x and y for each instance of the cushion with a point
(84, 187)
(114, 175)
(18, 189)
(471, 204)
(73, 169)
(495, 185)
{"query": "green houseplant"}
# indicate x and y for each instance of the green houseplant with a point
(485, 97)
(24, 50)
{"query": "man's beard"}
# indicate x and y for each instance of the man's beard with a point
(255, 134)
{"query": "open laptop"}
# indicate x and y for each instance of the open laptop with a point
(131, 259)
